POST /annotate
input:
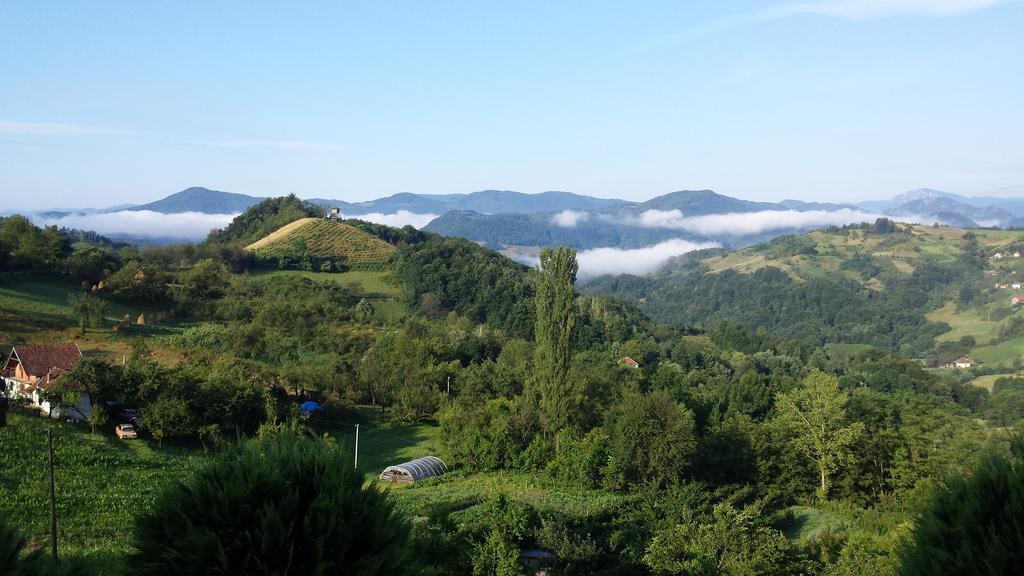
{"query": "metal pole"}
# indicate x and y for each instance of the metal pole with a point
(357, 447)
(449, 390)
(53, 498)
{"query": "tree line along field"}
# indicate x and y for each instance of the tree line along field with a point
(323, 238)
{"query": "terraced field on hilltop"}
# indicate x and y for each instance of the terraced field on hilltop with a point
(321, 238)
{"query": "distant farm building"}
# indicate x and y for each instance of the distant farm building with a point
(31, 370)
(414, 470)
(627, 361)
(334, 214)
(1017, 300)
(963, 362)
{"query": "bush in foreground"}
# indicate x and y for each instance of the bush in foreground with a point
(283, 504)
(973, 525)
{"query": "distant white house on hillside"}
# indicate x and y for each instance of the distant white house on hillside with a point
(963, 362)
(334, 214)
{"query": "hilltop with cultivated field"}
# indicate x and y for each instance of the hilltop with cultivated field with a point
(323, 239)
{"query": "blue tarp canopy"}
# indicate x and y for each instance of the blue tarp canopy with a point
(309, 406)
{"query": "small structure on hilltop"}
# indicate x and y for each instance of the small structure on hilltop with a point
(334, 214)
(963, 362)
(414, 470)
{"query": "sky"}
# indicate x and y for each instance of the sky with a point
(103, 103)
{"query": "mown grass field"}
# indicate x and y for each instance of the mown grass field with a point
(324, 239)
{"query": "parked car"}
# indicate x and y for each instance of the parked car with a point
(125, 431)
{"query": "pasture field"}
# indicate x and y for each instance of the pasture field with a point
(45, 299)
(970, 322)
(1003, 353)
(36, 310)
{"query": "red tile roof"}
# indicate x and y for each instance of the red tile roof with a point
(38, 360)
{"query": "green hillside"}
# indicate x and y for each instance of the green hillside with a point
(322, 238)
(925, 291)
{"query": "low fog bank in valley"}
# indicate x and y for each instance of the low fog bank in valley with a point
(638, 261)
(396, 219)
(729, 224)
(192, 226)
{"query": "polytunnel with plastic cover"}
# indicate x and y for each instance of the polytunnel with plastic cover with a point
(414, 470)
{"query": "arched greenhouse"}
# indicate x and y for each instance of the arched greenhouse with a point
(414, 470)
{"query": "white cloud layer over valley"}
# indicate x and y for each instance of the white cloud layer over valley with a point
(639, 261)
(143, 223)
(396, 219)
(735, 223)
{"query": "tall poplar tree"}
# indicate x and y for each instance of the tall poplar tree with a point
(556, 324)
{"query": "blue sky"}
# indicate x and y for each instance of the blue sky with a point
(104, 103)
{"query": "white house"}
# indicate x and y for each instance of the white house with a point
(31, 370)
(963, 362)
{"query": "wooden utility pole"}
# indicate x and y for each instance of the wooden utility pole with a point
(357, 447)
(53, 498)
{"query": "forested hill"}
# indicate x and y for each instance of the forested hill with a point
(916, 290)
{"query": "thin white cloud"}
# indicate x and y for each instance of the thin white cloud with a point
(569, 218)
(396, 219)
(49, 129)
(279, 144)
(743, 223)
(638, 261)
(144, 223)
(863, 9)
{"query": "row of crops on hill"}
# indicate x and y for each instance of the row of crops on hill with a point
(325, 239)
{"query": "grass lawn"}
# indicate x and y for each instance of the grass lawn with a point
(383, 446)
(810, 522)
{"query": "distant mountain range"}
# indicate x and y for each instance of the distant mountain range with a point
(503, 219)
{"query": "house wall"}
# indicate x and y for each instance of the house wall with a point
(81, 410)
